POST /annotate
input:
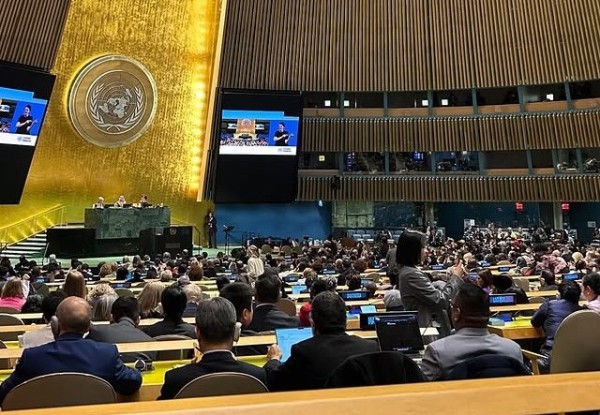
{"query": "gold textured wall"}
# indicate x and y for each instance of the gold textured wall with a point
(175, 40)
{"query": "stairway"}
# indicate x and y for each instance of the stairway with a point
(30, 247)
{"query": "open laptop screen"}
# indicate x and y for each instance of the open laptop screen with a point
(286, 338)
(399, 333)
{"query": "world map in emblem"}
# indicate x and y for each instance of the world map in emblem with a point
(112, 101)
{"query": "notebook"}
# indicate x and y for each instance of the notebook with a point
(286, 338)
(400, 333)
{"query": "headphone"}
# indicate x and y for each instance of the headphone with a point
(237, 332)
(143, 363)
(54, 326)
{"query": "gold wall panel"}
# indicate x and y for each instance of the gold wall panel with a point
(175, 40)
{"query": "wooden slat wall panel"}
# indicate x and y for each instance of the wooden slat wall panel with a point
(31, 31)
(392, 45)
(489, 133)
(341, 45)
(452, 189)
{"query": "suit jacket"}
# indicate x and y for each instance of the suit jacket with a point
(212, 362)
(419, 294)
(267, 318)
(37, 338)
(312, 361)
(71, 353)
(390, 258)
(123, 331)
(171, 326)
(550, 315)
(444, 354)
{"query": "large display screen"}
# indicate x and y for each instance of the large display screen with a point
(261, 133)
(24, 95)
(258, 144)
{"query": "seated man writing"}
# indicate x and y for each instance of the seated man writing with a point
(215, 329)
(313, 360)
(72, 353)
(470, 314)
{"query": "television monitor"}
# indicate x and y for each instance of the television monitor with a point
(399, 333)
(572, 276)
(258, 136)
(24, 96)
(354, 295)
(502, 299)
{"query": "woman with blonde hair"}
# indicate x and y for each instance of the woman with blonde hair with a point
(75, 285)
(256, 266)
(12, 294)
(149, 299)
(102, 308)
(99, 291)
(107, 272)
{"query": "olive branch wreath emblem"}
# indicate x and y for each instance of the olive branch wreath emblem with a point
(128, 123)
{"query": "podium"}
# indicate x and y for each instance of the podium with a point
(119, 231)
(115, 223)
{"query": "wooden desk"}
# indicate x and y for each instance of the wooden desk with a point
(517, 332)
(549, 294)
(416, 398)
(520, 307)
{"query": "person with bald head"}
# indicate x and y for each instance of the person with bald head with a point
(70, 352)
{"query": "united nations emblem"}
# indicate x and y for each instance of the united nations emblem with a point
(112, 101)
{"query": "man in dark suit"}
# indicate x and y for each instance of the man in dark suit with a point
(173, 301)
(72, 353)
(266, 317)
(312, 361)
(125, 317)
(216, 330)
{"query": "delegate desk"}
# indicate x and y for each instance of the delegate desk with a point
(520, 307)
(112, 223)
(413, 398)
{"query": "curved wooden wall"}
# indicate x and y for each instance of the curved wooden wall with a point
(482, 133)
(443, 189)
(31, 31)
(396, 45)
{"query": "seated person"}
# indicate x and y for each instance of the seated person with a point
(215, 328)
(173, 301)
(121, 202)
(124, 320)
(12, 294)
(240, 295)
(266, 316)
(193, 293)
(504, 285)
(590, 288)
(72, 353)
(470, 314)
(317, 287)
(552, 313)
(313, 360)
(548, 281)
(42, 336)
(99, 203)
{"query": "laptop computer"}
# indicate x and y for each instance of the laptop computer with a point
(121, 285)
(297, 289)
(502, 299)
(367, 319)
(354, 295)
(286, 338)
(572, 276)
(290, 278)
(400, 333)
